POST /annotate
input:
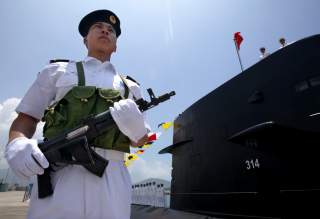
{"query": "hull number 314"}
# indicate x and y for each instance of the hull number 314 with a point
(252, 164)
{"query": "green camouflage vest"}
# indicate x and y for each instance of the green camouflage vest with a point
(80, 102)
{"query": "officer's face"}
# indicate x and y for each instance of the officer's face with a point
(101, 37)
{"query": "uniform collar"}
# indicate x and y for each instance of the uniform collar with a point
(89, 60)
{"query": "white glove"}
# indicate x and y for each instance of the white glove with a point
(129, 119)
(21, 154)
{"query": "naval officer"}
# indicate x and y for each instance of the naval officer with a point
(263, 52)
(282, 42)
(73, 86)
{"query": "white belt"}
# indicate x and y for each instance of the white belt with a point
(110, 154)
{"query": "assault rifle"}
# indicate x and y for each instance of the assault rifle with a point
(73, 146)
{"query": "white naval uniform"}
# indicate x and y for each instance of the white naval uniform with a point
(78, 194)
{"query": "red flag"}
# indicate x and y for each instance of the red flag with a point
(152, 137)
(238, 39)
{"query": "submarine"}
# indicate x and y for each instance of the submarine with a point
(249, 148)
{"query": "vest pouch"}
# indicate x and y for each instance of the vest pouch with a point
(113, 137)
(80, 104)
(75, 106)
(55, 118)
(107, 97)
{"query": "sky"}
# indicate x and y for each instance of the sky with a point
(181, 45)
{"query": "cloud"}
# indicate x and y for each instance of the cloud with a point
(7, 115)
(141, 169)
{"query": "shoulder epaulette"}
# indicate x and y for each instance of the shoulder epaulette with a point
(58, 60)
(131, 79)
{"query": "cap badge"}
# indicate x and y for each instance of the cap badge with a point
(112, 19)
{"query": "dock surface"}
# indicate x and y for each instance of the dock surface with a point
(11, 205)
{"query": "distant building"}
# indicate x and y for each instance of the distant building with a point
(153, 192)
(7, 176)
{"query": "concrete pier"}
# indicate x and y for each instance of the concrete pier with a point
(11, 205)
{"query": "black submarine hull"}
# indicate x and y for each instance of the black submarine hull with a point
(249, 148)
